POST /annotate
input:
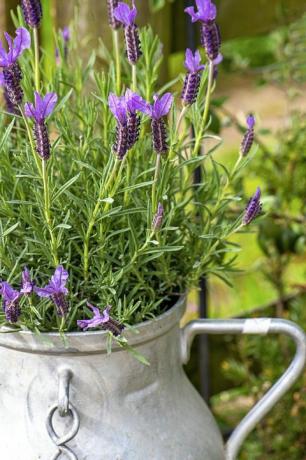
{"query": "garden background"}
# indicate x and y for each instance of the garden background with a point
(263, 71)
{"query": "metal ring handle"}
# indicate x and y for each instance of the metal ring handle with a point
(64, 408)
(260, 326)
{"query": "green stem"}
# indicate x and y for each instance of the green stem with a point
(117, 59)
(199, 136)
(47, 211)
(103, 189)
(134, 78)
(156, 175)
(36, 59)
(36, 158)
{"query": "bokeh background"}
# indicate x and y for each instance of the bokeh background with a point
(264, 72)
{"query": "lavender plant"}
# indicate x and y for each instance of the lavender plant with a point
(101, 209)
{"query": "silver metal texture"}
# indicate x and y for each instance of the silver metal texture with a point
(65, 408)
(127, 411)
(261, 326)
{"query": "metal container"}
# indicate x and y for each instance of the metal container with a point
(77, 402)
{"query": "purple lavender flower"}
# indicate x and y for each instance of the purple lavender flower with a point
(103, 321)
(124, 109)
(126, 15)
(39, 111)
(10, 107)
(111, 6)
(56, 290)
(32, 12)
(158, 218)
(134, 103)
(210, 33)
(27, 283)
(192, 78)
(10, 299)
(66, 38)
(253, 208)
(12, 75)
(157, 111)
(249, 136)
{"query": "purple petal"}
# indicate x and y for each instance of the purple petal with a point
(3, 56)
(207, 10)
(125, 14)
(49, 102)
(191, 11)
(60, 278)
(39, 107)
(135, 102)
(21, 42)
(251, 121)
(27, 283)
(162, 106)
(45, 292)
(29, 110)
(8, 293)
(218, 59)
(117, 106)
(66, 34)
(192, 61)
(10, 54)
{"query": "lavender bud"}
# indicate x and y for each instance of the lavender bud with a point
(10, 107)
(133, 126)
(158, 218)
(191, 87)
(132, 41)
(60, 303)
(253, 208)
(42, 140)
(32, 12)
(211, 39)
(113, 326)
(249, 136)
(159, 135)
(12, 77)
(121, 144)
(113, 22)
(12, 311)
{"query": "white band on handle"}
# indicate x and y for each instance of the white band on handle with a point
(256, 326)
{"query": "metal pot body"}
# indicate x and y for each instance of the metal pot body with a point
(125, 410)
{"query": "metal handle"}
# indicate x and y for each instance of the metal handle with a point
(261, 326)
(65, 408)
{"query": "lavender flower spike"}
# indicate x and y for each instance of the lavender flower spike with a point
(27, 283)
(10, 299)
(249, 136)
(193, 77)
(103, 321)
(126, 15)
(253, 208)
(111, 6)
(32, 12)
(118, 107)
(157, 111)
(39, 111)
(10, 107)
(158, 218)
(210, 33)
(12, 75)
(133, 103)
(56, 290)
(124, 109)
(66, 38)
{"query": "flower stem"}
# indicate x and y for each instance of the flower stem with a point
(103, 189)
(134, 78)
(198, 141)
(117, 59)
(156, 175)
(36, 158)
(36, 59)
(47, 211)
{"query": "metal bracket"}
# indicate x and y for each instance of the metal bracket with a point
(261, 326)
(65, 408)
